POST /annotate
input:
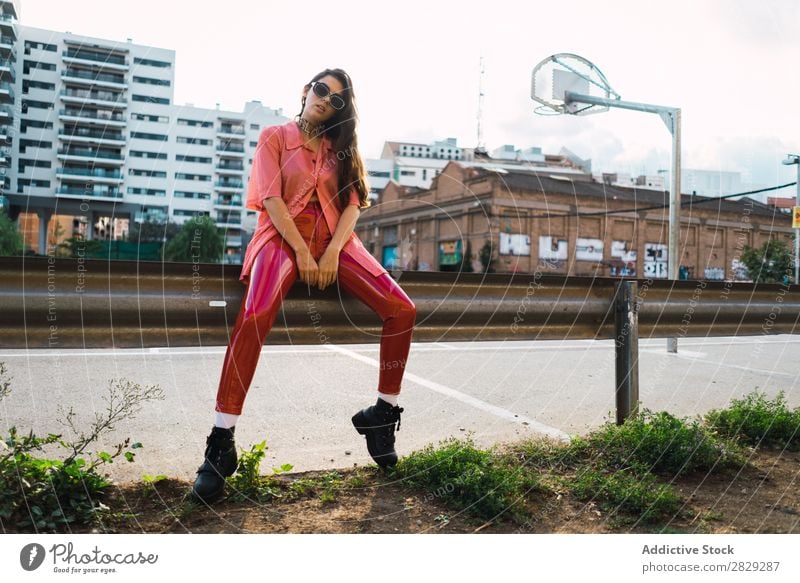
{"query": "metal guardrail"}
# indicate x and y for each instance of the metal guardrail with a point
(73, 303)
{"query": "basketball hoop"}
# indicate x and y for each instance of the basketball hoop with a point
(561, 73)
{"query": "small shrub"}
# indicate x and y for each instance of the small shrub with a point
(662, 443)
(248, 483)
(638, 495)
(47, 495)
(756, 420)
(464, 477)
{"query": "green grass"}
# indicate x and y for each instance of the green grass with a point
(622, 492)
(662, 443)
(756, 420)
(466, 477)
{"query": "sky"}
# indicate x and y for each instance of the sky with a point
(731, 66)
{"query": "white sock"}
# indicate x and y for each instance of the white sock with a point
(226, 420)
(391, 399)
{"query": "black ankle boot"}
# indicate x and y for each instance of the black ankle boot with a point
(220, 462)
(377, 424)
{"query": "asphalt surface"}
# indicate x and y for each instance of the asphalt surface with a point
(302, 397)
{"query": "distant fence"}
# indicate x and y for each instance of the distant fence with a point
(69, 303)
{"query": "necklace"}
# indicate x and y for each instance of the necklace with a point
(311, 130)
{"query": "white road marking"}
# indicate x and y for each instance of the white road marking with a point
(463, 397)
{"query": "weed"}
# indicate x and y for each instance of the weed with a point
(755, 420)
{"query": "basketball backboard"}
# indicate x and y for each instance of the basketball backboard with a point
(566, 72)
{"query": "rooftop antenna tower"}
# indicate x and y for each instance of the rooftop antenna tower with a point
(480, 148)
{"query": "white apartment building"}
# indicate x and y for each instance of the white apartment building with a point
(416, 164)
(89, 128)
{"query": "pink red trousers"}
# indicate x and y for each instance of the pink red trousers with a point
(272, 276)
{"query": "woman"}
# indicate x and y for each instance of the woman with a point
(308, 181)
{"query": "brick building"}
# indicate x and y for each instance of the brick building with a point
(558, 224)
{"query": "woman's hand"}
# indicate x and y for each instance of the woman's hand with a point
(328, 267)
(306, 266)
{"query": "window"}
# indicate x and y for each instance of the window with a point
(146, 117)
(28, 65)
(29, 44)
(30, 182)
(24, 124)
(184, 176)
(23, 144)
(148, 99)
(151, 173)
(187, 140)
(196, 195)
(152, 155)
(151, 81)
(30, 83)
(28, 103)
(23, 163)
(147, 191)
(151, 63)
(146, 136)
(198, 159)
(185, 213)
(254, 126)
(195, 123)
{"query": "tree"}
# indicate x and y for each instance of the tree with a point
(199, 241)
(486, 257)
(153, 232)
(10, 238)
(770, 263)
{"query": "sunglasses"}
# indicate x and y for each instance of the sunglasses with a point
(322, 90)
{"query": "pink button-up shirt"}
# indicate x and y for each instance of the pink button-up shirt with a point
(283, 165)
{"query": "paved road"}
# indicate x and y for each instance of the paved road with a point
(302, 397)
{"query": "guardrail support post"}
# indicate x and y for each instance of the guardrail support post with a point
(626, 342)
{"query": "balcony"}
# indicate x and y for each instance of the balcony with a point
(92, 136)
(7, 47)
(229, 185)
(5, 159)
(230, 201)
(229, 150)
(92, 117)
(84, 57)
(5, 134)
(232, 258)
(91, 174)
(6, 113)
(233, 241)
(105, 98)
(228, 221)
(94, 79)
(84, 155)
(151, 215)
(6, 91)
(7, 71)
(231, 131)
(86, 192)
(232, 169)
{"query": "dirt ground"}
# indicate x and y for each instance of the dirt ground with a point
(758, 498)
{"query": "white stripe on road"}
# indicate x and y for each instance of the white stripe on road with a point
(459, 396)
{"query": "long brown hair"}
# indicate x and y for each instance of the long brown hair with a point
(341, 129)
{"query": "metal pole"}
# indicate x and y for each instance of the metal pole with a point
(626, 341)
(671, 116)
(797, 231)
(673, 259)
